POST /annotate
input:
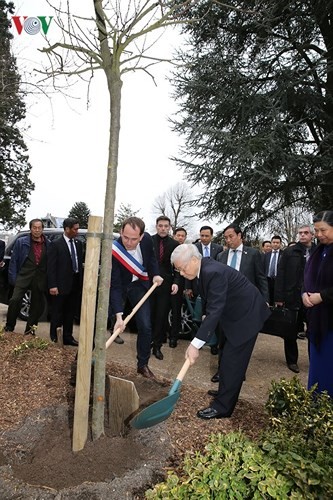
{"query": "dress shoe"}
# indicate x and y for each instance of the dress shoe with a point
(119, 340)
(301, 335)
(214, 350)
(294, 367)
(8, 329)
(146, 372)
(71, 341)
(157, 353)
(213, 392)
(172, 343)
(215, 378)
(209, 413)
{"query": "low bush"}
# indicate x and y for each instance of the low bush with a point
(292, 459)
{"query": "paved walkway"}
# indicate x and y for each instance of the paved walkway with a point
(267, 361)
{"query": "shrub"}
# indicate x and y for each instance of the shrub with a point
(292, 459)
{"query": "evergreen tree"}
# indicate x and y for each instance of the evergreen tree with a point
(81, 212)
(15, 185)
(123, 213)
(256, 97)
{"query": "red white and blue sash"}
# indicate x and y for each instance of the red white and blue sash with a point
(127, 260)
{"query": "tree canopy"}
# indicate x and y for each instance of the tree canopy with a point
(255, 89)
(81, 212)
(15, 185)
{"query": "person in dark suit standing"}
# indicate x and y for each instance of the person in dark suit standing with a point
(161, 300)
(2, 252)
(134, 269)
(288, 286)
(228, 297)
(27, 271)
(64, 274)
(271, 262)
(246, 260)
(180, 235)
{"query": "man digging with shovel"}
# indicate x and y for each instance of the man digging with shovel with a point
(134, 268)
(229, 298)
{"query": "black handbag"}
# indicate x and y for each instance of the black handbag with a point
(282, 323)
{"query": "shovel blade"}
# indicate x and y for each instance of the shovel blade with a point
(155, 413)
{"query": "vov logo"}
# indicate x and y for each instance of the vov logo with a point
(32, 25)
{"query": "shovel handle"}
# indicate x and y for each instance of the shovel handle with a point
(134, 310)
(183, 370)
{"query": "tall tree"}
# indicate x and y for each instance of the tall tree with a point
(175, 203)
(116, 40)
(15, 185)
(81, 212)
(255, 89)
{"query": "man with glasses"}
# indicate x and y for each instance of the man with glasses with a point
(288, 286)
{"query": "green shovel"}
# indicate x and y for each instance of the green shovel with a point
(161, 410)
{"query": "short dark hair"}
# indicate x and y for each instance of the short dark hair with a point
(134, 222)
(276, 237)
(264, 243)
(205, 228)
(33, 221)
(235, 227)
(180, 229)
(325, 216)
(69, 222)
(163, 217)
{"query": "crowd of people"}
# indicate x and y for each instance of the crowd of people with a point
(237, 284)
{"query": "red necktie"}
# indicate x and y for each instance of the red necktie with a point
(161, 250)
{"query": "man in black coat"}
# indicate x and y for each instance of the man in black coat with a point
(64, 274)
(161, 299)
(228, 297)
(288, 286)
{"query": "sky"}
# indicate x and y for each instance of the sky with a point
(68, 139)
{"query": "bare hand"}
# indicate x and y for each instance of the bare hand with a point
(158, 279)
(119, 324)
(174, 289)
(192, 354)
(54, 291)
(306, 300)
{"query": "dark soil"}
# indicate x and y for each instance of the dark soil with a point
(36, 416)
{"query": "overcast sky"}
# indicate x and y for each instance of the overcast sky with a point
(68, 142)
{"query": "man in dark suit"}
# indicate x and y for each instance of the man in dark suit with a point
(180, 235)
(2, 252)
(271, 263)
(247, 260)
(134, 268)
(64, 273)
(161, 300)
(228, 297)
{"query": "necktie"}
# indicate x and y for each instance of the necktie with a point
(74, 264)
(234, 259)
(272, 265)
(307, 254)
(206, 253)
(161, 250)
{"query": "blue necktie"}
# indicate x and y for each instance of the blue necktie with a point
(206, 252)
(74, 265)
(234, 259)
(272, 266)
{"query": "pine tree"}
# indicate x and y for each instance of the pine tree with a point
(123, 213)
(15, 185)
(81, 212)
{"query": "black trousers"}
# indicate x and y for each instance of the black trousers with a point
(160, 307)
(64, 307)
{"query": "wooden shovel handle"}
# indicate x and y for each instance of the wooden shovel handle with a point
(183, 370)
(134, 310)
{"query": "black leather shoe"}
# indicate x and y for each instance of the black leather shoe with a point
(8, 329)
(214, 350)
(71, 341)
(157, 353)
(172, 343)
(146, 372)
(119, 340)
(294, 367)
(213, 392)
(209, 413)
(215, 378)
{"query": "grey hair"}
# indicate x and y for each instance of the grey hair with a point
(310, 226)
(185, 252)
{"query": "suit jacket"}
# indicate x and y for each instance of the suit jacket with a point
(267, 258)
(59, 265)
(229, 298)
(166, 270)
(251, 266)
(121, 277)
(2, 250)
(215, 249)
